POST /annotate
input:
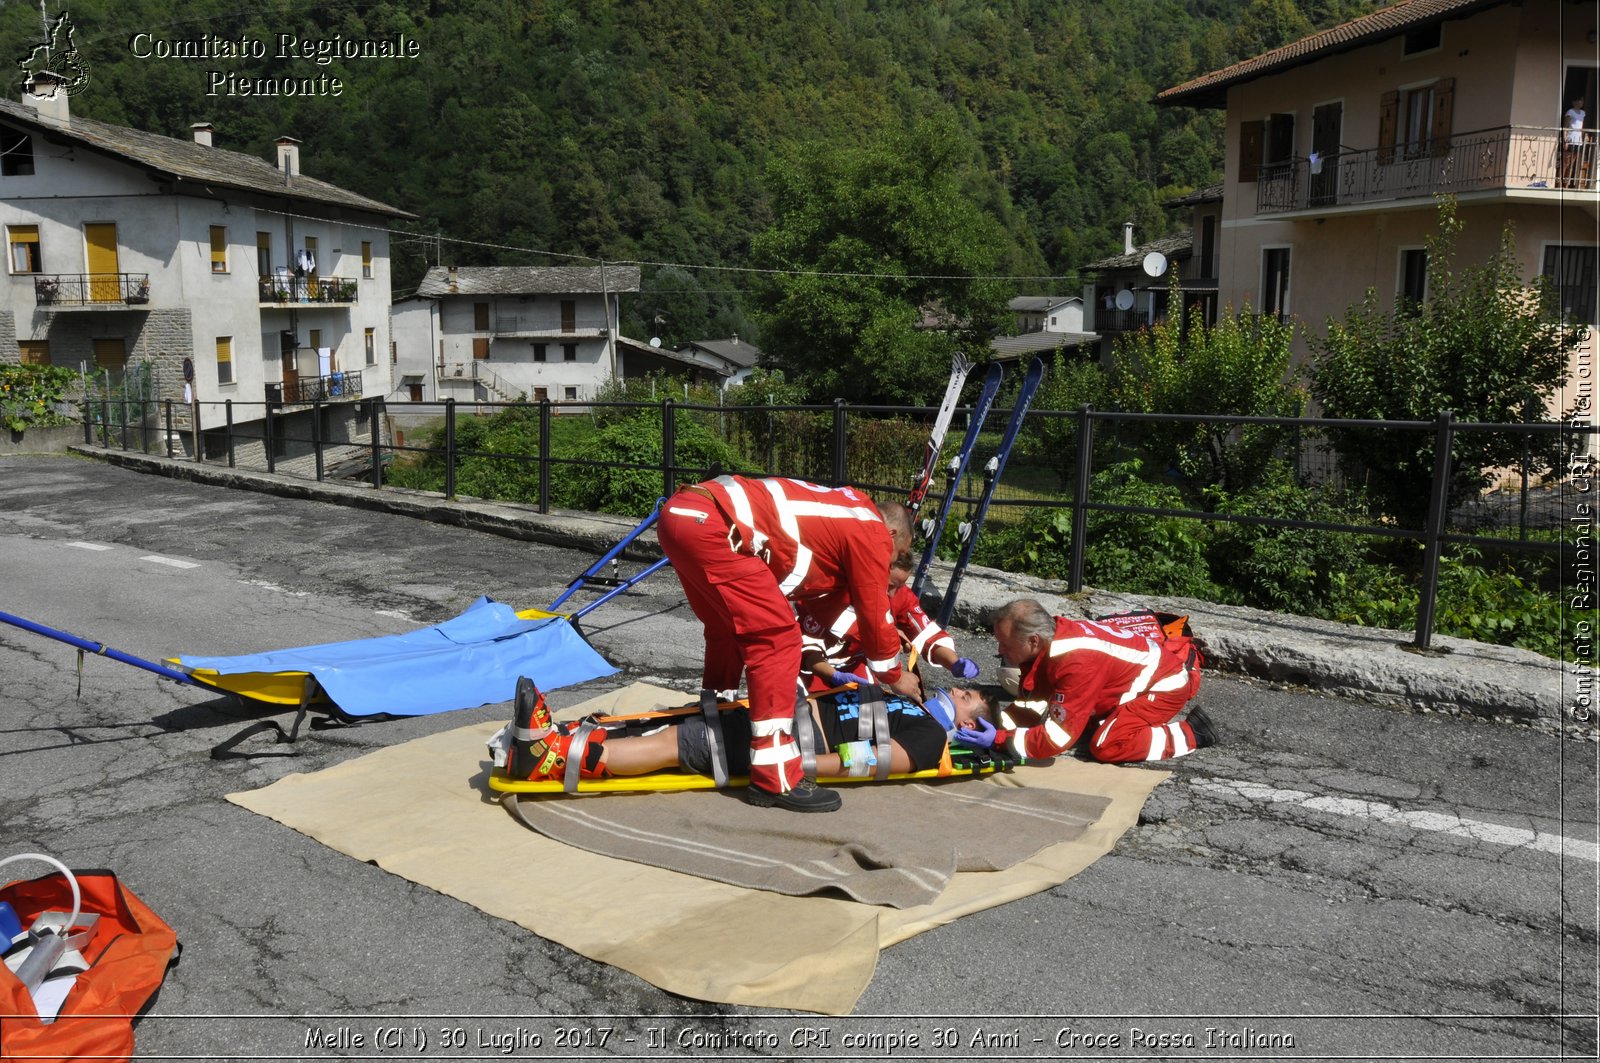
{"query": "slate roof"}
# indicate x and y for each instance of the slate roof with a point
(1210, 90)
(1178, 245)
(529, 280)
(1039, 304)
(1208, 194)
(1008, 347)
(187, 161)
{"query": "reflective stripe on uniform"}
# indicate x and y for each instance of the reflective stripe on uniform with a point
(764, 728)
(846, 621)
(1149, 659)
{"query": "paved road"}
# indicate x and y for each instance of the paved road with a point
(1358, 881)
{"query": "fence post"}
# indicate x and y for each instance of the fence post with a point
(316, 436)
(669, 448)
(268, 433)
(544, 455)
(450, 448)
(124, 413)
(1438, 511)
(377, 443)
(88, 422)
(227, 416)
(105, 422)
(1080, 500)
(169, 428)
(840, 416)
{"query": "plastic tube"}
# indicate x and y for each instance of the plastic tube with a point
(48, 948)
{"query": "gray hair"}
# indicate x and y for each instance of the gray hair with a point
(1027, 617)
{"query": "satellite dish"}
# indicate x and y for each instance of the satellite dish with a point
(1155, 264)
(655, 341)
(1125, 300)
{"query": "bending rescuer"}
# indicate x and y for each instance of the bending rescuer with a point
(1078, 675)
(744, 549)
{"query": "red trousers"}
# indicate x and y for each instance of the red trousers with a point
(750, 630)
(1143, 728)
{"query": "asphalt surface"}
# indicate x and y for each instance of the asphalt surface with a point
(1361, 881)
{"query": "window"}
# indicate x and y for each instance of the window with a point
(366, 259)
(371, 339)
(1413, 287)
(24, 241)
(16, 153)
(569, 393)
(1571, 271)
(264, 254)
(310, 262)
(219, 249)
(1275, 281)
(569, 315)
(480, 347)
(1208, 246)
(1280, 139)
(34, 352)
(1416, 121)
(1252, 136)
(224, 359)
(1422, 39)
(540, 351)
(394, 353)
(569, 352)
(480, 317)
(541, 394)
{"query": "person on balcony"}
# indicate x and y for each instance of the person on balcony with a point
(1574, 161)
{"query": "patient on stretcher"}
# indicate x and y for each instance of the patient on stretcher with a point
(540, 747)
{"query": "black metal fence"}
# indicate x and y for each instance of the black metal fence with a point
(1053, 465)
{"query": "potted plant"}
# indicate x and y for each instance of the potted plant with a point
(46, 289)
(139, 291)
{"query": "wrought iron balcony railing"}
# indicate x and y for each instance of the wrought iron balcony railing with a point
(91, 289)
(335, 387)
(1510, 157)
(283, 289)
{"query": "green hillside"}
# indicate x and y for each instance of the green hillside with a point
(646, 131)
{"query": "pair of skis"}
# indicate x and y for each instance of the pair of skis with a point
(967, 532)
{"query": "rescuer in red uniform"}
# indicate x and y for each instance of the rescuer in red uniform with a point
(744, 549)
(1077, 674)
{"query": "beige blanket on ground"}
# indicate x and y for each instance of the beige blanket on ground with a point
(423, 810)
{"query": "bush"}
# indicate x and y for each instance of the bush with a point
(29, 394)
(637, 441)
(1287, 569)
(1131, 552)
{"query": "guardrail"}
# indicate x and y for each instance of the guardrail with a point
(335, 387)
(91, 289)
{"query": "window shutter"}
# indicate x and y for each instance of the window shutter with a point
(480, 346)
(1388, 122)
(1251, 138)
(1444, 100)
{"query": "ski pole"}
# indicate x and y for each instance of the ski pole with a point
(933, 527)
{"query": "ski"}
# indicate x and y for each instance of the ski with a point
(960, 366)
(932, 528)
(968, 531)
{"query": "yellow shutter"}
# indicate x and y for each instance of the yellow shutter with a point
(24, 248)
(219, 249)
(366, 258)
(224, 359)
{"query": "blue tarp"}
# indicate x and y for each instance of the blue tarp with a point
(471, 660)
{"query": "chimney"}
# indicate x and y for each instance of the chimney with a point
(202, 133)
(47, 93)
(736, 339)
(452, 280)
(288, 156)
(1127, 237)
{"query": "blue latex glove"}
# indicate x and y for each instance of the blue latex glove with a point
(841, 677)
(981, 738)
(964, 668)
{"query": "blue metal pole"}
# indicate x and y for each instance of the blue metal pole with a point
(99, 649)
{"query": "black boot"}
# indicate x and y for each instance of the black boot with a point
(805, 796)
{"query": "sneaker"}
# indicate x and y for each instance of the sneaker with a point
(1205, 732)
(806, 796)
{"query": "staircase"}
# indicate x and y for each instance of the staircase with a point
(497, 389)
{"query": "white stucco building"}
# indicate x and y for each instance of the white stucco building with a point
(238, 276)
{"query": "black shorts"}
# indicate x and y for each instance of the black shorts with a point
(919, 734)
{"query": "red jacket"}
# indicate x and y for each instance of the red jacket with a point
(818, 542)
(829, 625)
(1088, 671)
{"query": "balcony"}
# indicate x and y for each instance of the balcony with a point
(288, 290)
(335, 387)
(1521, 162)
(94, 291)
(522, 328)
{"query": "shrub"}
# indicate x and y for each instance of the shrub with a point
(636, 441)
(29, 394)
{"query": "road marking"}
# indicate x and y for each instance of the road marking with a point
(1439, 822)
(396, 613)
(91, 546)
(267, 585)
(174, 562)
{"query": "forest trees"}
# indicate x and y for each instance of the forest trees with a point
(865, 241)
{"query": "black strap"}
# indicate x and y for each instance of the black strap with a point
(712, 715)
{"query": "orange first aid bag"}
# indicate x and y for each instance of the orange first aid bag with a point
(128, 955)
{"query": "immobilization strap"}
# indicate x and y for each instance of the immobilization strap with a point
(576, 751)
(803, 734)
(875, 725)
(712, 715)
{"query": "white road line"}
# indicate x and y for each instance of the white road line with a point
(396, 613)
(174, 562)
(267, 585)
(91, 546)
(1440, 822)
